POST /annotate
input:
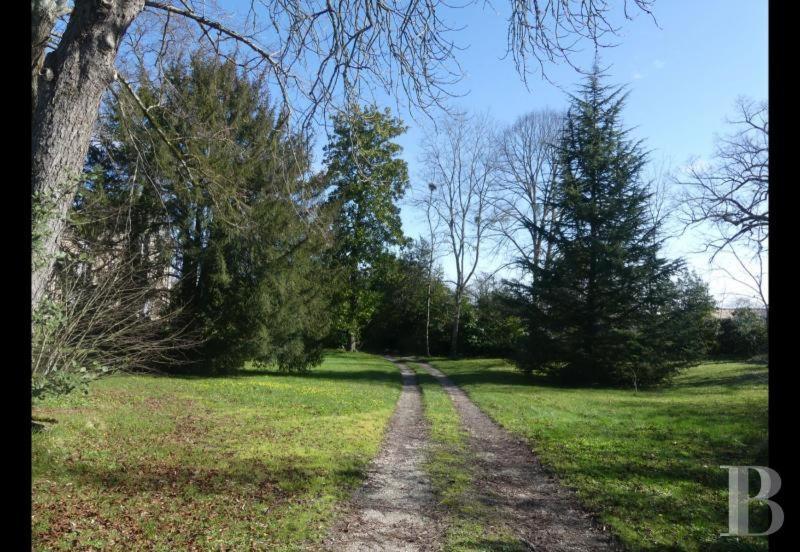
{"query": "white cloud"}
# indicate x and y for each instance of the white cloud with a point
(658, 64)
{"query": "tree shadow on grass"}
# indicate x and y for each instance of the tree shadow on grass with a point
(380, 376)
(466, 377)
(240, 478)
(730, 382)
(477, 376)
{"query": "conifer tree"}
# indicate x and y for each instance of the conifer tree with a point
(240, 221)
(600, 310)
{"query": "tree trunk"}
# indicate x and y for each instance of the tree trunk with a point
(353, 342)
(44, 14)
(456, 319)
(68, 84)
(428, 321)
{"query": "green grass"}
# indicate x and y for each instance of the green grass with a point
(471, 525)
(259, 460)
(647, 462)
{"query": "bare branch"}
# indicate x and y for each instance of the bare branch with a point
(459, 161)
(731, 194)
(523, 199)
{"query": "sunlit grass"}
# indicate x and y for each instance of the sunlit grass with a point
(648, 462)
(255, 461)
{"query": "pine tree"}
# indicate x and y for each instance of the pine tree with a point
(600, 310)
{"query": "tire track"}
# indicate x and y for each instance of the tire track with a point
(545, 515)
(395, 509)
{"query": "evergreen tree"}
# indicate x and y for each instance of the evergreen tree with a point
(367, 179)
(228, 192)
(492, 325)
(602, 309)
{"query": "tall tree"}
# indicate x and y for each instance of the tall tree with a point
(431, 245)
(729, 197)
(368, 179)
(400, 46)
(460, 159)
(527, 164)
(66, 87)
(597, 309)
(244, 226)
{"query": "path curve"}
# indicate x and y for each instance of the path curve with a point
(395, 509)
(545, 515)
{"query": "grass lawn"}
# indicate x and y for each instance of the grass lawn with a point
(255, 461)
(648, 462)
(472, 526)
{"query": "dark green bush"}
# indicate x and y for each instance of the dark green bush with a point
(743, 335)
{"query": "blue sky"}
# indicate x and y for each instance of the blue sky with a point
(682, 75)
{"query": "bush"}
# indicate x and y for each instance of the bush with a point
(492, 326)
(743, 335)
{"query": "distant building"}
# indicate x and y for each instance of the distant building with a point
(159, 281)
(726, 313)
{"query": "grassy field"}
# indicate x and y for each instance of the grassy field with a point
(648, 462)
(472, 526)
(255, 461)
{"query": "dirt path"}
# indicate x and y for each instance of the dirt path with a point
(395, 509)
(545, 515)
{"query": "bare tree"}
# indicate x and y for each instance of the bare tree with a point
(731, 194)
(314, 50)
(749, 271)
(728, 198)
(433, 244)
(523, 202)
(459, 159)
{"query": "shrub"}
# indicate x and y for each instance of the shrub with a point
(742, 335)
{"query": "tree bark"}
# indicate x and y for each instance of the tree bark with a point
(456, 319)
(68, 84)
(428, 316)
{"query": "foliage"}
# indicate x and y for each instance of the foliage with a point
(398, 324)
(492, 324)
(742, 335)
(604, 309)
(58, 365)
(99, 314)
(367, 179)
(647, 463)
(228, 204)
(63, 382)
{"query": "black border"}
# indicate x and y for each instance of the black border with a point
(782, 206)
